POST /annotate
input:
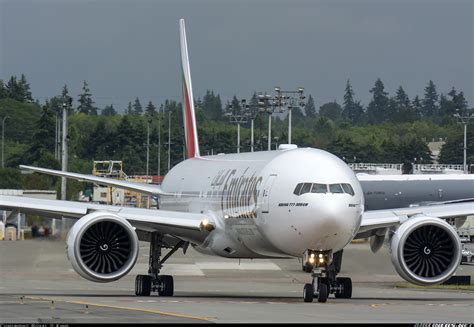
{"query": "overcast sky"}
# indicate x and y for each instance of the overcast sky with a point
(130, 48)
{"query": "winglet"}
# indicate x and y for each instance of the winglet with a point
(189, 117)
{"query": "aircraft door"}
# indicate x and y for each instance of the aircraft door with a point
(266, 193)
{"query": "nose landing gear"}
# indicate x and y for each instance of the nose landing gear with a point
(324, 268)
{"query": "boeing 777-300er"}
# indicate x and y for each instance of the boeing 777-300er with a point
(292, 202)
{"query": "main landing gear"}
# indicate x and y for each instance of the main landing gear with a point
(325, 267)
(154, 282)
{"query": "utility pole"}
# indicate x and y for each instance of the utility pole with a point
(464, 119)
(3, 141)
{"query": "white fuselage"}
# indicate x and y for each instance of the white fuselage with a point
(251, 199)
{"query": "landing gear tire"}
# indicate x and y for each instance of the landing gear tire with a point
(308, 293)
(346, 288)
(167, 286)
(323, 293)
(143, 285)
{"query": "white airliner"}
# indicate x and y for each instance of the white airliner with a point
(292, 202)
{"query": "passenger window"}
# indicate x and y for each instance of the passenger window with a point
(306, 188)
(335, 188)
(319, 188)
(298, 189)
(348, 189)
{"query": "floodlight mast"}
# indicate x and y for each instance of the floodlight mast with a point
(289, 100)
(239, 116)
(464, 118)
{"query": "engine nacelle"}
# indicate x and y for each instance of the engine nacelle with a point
(102, 247)
(425, 250)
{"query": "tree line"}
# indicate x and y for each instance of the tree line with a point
(392, 129)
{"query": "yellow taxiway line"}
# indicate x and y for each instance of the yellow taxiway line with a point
(170, 314)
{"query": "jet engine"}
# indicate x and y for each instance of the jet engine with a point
(102, 247)
(425, 250)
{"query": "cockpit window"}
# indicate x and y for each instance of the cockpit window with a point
(335, 188)
(348, 189)
(303, 188)
(306, 188)
(298, 189)
(319, 188)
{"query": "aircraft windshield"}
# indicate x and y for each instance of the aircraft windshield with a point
(342, 188)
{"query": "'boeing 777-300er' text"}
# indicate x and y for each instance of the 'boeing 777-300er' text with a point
(292, 202)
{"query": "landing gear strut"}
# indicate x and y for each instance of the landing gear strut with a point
(325, 267)
(154, 282)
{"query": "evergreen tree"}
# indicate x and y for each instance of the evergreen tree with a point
(85, 101)
(348, 103)
(109, 111)
(129, 110)
(458, 101)
(446, 107)
(453, 151)
(13, 89)
(137, 107)
(310, 108)
(98, 140)
(43, 140)
(430, 107)
(253, 106)
(234, 107)
(150, 109)
(378, 107)
(331, 110)
(402, 98)
(400, 108)
(212, 106)
(3, 90)
(352, 110)
(417, 107)
(24, 89)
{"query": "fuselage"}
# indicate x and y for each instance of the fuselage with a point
(397, 191)
(269, 204)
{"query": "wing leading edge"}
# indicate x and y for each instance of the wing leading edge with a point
(138, 187)
(185, 225)
(378, 219)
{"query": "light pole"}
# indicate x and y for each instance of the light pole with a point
(149, 120)
(267, 104)
(169, 140)
(64, 157)
(3, 141)
(238, 116)
(464, 119)
(294, 102)
(159, 143)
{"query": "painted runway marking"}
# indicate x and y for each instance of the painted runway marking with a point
(170, 314)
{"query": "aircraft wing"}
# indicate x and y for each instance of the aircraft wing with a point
(376, 220)
(183, 225)
(139, 187)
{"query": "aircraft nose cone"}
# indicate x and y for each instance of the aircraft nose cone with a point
(332, 226)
